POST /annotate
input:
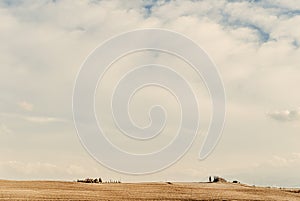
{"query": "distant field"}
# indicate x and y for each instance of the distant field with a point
(54, 190)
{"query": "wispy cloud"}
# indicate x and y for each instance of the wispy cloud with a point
(286, 160)
(25, 106)
(35, 169)
(41, 119)
(34, 119)
(4, 130)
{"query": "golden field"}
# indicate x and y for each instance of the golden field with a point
(57, 190)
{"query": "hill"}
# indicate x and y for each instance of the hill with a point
(55, 190)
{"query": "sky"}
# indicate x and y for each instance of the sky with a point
(254, 44)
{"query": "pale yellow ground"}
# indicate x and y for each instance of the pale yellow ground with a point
(53, 190)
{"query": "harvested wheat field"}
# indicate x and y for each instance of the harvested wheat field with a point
(54, 190)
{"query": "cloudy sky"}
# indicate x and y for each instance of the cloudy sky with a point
(254, 43)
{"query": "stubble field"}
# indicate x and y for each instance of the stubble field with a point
(55, 190)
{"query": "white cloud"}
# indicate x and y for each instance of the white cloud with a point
(254, 43)
(285, 115)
